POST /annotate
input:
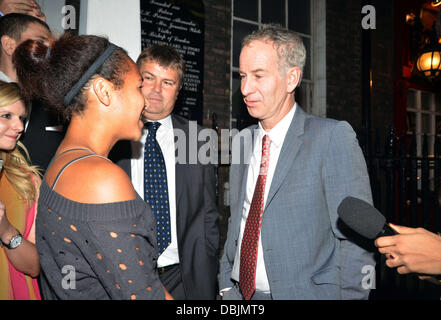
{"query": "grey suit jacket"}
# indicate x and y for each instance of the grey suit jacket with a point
(306, 255)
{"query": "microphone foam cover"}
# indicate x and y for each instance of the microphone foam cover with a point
(361, 217)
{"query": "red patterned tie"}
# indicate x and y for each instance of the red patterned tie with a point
(250, 240)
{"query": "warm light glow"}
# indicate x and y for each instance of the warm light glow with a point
(436, 3)
(410, 18)
(430, 64)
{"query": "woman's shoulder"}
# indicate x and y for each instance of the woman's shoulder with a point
(95, 180)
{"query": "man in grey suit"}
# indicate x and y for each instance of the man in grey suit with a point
(283, 239)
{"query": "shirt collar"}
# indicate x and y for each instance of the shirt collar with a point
(278, 133)
(4, 77)
(166, 124)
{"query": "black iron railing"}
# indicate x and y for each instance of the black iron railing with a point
(406, 189)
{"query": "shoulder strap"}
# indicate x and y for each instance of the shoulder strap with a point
(69, 150)
(71, 162)
(64, 152)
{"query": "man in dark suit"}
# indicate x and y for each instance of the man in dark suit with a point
(43, 131)
(180, 192)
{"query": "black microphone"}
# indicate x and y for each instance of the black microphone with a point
(363, 218)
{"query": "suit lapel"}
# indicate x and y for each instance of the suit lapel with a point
(243, 174)
(180, 168)
(126, 166)
(291, 146)
(121, 154)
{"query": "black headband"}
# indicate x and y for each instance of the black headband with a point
(89, 73)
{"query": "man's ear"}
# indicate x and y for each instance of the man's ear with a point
(293, 78)
(8, 45)
(102, 89)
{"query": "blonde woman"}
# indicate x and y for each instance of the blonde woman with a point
(19, 185)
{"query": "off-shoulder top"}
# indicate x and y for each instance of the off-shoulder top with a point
(96, 251)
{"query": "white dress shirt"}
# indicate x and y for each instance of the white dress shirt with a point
(165, 138)
(277, 136)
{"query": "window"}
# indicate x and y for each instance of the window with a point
(424, 117)
(250, 15)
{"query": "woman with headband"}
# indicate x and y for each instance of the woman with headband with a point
(95, 236)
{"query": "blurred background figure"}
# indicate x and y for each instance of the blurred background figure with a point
(19, 187)
(42, 125)
(16, 28)
(29, 7)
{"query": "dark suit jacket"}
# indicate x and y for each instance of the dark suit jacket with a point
(196, 216)
(40, 142)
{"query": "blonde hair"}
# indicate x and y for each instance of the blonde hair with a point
(16, 165)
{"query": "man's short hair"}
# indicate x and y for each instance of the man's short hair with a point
(289, 45)
(14, 24)
(166, 56)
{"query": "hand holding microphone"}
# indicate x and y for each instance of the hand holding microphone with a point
(410, 250)
(413, 250)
